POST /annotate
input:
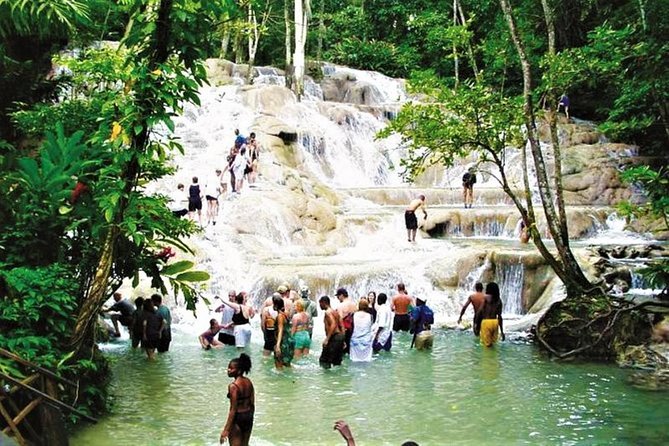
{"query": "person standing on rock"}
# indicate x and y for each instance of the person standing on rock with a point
(476, 299)
(410, 220)
(468, 181)
(564, 103)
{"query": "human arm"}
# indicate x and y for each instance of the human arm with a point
(280, 319)
(343, 428)
(233, 305)
(464, 307)
(144, 330)
(232, 391)
(501, 322)
(329, 327)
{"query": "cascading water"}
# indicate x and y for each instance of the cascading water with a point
(510, 277)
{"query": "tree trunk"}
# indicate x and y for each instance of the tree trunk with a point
(225, 43)
(286, 21)
(456, 60)
(569, 270)
(301, 26)
(253, 38)
(321, 30)
(470, 50)
(97, 291)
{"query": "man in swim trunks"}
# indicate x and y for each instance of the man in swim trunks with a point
(400, 306)
(333, 344)
(491, 316)
(476, 299)
(410, 220)
(346, 309)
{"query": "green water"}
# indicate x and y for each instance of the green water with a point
(457, 394)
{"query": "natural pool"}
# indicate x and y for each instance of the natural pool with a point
(457, 394)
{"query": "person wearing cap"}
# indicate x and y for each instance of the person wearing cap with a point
(309, 308)
(333, 344)
(284, 291)
(346, 309)
(422, 318)
(410, 220)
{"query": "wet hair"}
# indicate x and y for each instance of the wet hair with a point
(409, 443)
(157, 299)
(493, 290)
(342, 292)
(422, 197)
(278, 304)
(373, 293)
(478, 286)
(243, 363)
(212, 322)
(325, 299)
(401, 287)
(236, 131)
(180, 186)
(139, 302)
(194, 179)
(239, 298)
(243, 151)
(382, 298)
(363, 305)
(299, 305)
(252, 135)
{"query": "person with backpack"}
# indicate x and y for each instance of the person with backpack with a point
(468, 181)
(422, 318)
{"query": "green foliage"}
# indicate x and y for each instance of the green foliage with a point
(43, 17)
(655, 185)
(372, 55)
(36, 314)
(448, 125)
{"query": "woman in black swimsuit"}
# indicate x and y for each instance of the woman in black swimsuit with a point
(239, 424)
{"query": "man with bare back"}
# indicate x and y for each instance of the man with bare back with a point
(476, 299)
(410, 220)
(400, 306)
(333, 344)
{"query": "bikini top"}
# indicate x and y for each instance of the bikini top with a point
(239, 398)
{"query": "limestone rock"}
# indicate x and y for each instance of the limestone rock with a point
(267, 99)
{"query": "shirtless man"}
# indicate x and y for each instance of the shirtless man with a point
(410, 219)
(400, 306)
(333, 344)
(476, 299)
(346, 309)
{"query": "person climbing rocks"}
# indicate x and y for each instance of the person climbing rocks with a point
(468, 181)
(564, 103)
(410, 220)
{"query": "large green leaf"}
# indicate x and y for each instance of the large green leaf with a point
(177, 267)
(193, 276)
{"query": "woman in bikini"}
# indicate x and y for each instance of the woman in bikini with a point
(239, 424)
(301, 324)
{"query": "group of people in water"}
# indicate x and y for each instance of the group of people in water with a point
(148, 321)
(241, 164)
(358, 329)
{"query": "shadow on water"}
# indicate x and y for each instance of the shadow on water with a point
(458, 394)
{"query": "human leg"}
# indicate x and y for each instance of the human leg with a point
(115, 318)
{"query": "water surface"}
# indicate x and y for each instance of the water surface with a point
(457, 394)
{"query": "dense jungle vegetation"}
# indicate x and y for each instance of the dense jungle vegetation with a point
(77, 144)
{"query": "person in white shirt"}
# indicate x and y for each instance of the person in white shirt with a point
(211, 192)
(178, 201)
(383, 335)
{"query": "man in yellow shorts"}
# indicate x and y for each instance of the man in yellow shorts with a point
(491, 316)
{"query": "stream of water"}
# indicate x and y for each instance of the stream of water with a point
(457, 394)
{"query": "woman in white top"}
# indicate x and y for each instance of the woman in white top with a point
(361, 338)
(383, 329)
(239, 165)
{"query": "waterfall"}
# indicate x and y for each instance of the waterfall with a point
(510, 278)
